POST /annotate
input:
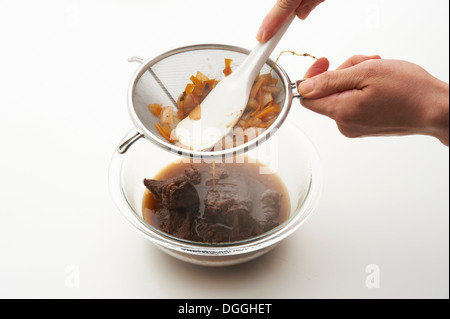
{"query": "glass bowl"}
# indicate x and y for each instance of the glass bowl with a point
(288, 153)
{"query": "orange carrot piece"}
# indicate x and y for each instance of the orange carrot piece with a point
(197, 82)
(266, 111)
(277, 107)
(167, 129)
(189, 88)
(260, 100)
(197, 91)
(256, 87)
(201, 77)
(255, 112)
(162, 132)
(156, 109)
(227, 71)
(258, 109)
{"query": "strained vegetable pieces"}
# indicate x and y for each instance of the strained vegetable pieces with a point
(261, 111)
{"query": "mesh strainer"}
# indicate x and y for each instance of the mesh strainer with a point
(160, 80)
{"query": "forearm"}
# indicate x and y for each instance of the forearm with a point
(438, 115)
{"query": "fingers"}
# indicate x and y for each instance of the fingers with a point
(306, 7)
(280, 12)
(343, 94)
(357, 59)
(338, 106)
(275, 18)
(352, 74)
(317, 68)
(330, 82)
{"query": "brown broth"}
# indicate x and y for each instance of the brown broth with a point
(246, 176)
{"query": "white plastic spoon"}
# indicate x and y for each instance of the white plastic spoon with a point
(224, 106)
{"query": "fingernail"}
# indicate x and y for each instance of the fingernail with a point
(260, 36)
(306, 87)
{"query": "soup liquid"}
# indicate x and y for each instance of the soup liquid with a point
(245, 179)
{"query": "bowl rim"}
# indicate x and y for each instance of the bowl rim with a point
(302, 212)
(142, 129)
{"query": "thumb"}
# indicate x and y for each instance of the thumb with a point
(329, 83)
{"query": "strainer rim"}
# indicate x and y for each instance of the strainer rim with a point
(158, 141)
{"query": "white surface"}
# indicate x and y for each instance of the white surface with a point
(63, 80)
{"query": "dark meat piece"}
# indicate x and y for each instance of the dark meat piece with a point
(220, 172)
(271, 207)
(223, 206)
(245, 227)
(193, 175)
(163, 217)
(210, 232)
(178, 223)
(179, 201)
(174, 193)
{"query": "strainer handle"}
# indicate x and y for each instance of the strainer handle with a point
(123, 147)
(294, 88)
(126, 144)
(136, 59)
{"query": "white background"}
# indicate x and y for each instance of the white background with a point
(63, 80)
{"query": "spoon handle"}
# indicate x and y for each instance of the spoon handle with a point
(261, 53)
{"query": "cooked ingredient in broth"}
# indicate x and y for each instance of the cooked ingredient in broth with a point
(215, 203)
(262, 109)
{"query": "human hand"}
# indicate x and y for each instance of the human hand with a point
(369, 96)
(280, 12)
